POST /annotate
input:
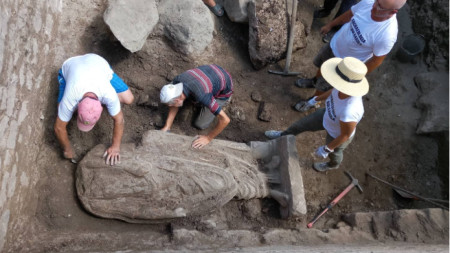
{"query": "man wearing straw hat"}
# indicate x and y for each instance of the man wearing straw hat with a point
(343, 110)
(368, 33)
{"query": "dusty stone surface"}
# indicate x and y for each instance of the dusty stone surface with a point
(165, 178)
(256, 96)
(433, 102)
(435, 30)
(265, 111)
(188, 24)
(237, 10)
(404, 225)
(131, 21)
(268, 32)
(27, 42)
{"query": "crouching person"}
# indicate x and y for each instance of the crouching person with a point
(343, 110)
(85, 83)
(209, 86)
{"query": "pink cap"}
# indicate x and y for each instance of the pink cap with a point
(89, 111)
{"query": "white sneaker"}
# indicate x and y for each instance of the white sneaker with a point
(272, 134)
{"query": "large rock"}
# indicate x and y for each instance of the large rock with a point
(237, 10)
(433, 101)
(268, 31)
(131, 21)
(165, 178)
(188, 24)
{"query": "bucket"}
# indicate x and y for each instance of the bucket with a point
(411, 46)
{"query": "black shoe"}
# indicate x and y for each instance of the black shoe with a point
(324, 166)
(305, 83)
(327, 37)
(321, 13)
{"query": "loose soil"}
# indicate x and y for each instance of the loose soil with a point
(385, 143)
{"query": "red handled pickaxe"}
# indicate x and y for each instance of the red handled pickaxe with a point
(339, 197)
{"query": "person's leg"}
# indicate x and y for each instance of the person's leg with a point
(337, 155)
(324, 54)
(206, 117)
(328, 6)
(215, 8)
(124, 93)
(312, 122)
(345, 6)
(62, 85)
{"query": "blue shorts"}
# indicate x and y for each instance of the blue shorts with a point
(117, 83)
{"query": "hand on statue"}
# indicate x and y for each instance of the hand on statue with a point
(165, 129)
(201, 141)
(112, 155)
(69, 155)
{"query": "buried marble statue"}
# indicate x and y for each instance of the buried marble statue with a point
(164, 178)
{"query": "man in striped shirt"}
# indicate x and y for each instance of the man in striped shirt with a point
(210, 86)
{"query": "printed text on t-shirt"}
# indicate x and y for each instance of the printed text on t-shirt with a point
(330, 108)
(356, 33)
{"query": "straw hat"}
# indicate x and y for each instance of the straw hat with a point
(346, 75)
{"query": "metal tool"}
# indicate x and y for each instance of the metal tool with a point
(290, 44)
(354, 183)
(408, 192)
(414, 197)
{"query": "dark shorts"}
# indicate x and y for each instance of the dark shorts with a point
(324, 54)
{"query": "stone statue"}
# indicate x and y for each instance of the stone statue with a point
(164, 178)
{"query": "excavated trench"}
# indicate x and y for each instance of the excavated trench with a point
(39, 209)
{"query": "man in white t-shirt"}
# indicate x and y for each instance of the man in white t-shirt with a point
(85, 83)
(368, 34)
(343, 110)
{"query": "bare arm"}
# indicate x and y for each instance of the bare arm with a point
(374, 62)
(324, 95)
(342, 19)
(346, 131)
(173, 110)
(113, 152)
(60, 128)
(203, 140)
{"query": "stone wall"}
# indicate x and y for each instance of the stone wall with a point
(27, 31)
(430, 18)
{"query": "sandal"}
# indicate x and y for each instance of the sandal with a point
(217, 10)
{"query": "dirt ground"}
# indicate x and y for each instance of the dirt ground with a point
(385, 144)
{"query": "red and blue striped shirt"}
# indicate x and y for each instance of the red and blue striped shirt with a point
(205, 84)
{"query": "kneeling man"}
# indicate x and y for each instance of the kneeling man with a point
(85, 83)
(211, 87)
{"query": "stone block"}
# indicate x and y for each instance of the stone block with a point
(131, 21)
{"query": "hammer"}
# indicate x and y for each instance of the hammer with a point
(339, 197)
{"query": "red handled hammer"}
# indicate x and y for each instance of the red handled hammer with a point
(339, 197)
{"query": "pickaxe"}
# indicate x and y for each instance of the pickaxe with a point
(339, 197)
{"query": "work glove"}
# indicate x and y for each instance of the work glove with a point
(323, 151)
(304, 106)
(312, 102)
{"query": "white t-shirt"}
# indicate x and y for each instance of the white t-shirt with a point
(363, 37)
(87, 73)
(350, 109)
